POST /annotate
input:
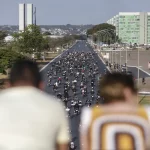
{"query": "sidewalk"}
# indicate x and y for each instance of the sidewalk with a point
(145, 87)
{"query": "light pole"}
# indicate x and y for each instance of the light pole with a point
(112, 58)
(126, 57)
(120, 58)
(138, 68)
(116, 57)
(107, 32)
(102, 33)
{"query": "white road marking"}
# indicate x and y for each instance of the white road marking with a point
(104, 63)
(50, 62)
(141, 69)
(56, 58)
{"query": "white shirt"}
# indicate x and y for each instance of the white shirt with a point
(31, 120)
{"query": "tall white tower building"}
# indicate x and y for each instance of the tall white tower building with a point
(21, 17)
(29, 14)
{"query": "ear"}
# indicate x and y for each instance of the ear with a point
(41, 85)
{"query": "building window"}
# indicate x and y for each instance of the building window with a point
(122, 16)
(128, 31)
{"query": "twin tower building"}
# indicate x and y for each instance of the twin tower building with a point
(27, 16)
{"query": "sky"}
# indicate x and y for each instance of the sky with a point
(60, 12)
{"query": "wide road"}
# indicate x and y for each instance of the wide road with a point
(80, 46)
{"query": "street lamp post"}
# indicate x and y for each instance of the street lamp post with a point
(138, 68)
(112, 57)
(102, 33)
(126, 58)
(106, 32)
(120, 58)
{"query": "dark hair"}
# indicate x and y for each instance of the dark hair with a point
(25, 71)
(112, 85)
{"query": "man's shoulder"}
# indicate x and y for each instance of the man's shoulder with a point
(47, 99)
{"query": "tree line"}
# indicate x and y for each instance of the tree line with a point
(28, 42)
(104, 32)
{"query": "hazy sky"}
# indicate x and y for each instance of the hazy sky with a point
(53, 12)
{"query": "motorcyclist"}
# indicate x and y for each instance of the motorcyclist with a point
(76, 108)
(66, 93)
(59, 95)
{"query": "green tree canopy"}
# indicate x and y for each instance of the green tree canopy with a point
(7, 58)
(3, 34)
(47, 33)
(103, 26)
(31, 39)
(104, 32)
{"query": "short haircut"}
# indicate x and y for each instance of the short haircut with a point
(111, 86)
(25, 71)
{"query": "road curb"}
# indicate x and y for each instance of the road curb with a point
(104, 63)
(55, 58)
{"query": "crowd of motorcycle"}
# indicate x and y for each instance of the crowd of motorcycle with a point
(73, 79)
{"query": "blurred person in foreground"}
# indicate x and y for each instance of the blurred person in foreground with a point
(119, 124)
(29, 118)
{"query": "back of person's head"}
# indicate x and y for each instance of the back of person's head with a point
(25, 73)
(117, 87)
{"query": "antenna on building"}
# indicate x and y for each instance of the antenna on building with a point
(35, 15)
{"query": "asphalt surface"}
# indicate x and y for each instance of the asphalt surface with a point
(142, 74)
(80, 46)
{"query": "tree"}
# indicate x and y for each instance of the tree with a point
(7, 58)
(47, 33)
(103, 26)
(105, 33)
(29, 40)
(3, 34)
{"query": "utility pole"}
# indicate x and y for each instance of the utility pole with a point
(138, 68)
(126, 58)
(120, 59)
(112, 58)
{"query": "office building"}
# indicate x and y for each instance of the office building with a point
(132, 27)
(21, 17)
(29, 14)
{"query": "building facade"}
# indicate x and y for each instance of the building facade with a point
(29, 14)
(132, 27)
(21, 17)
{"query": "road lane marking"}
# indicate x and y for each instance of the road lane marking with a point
(104, 63)
(140, 69)
(50, 62)
(56, 58)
